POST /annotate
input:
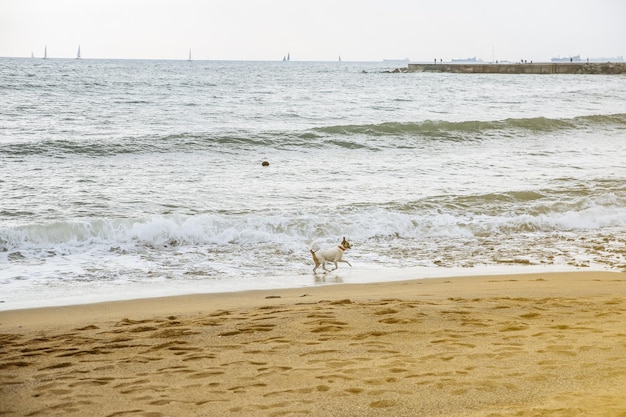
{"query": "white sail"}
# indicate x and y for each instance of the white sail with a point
(45, 52)
(78, 53)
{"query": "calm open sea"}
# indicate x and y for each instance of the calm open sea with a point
(125, 179)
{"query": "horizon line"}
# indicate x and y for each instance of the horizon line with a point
(383, 60)
(201, 59)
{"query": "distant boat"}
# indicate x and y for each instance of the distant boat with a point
(472, 60)
(32, 55)
(287, 58)
(45, 52)
(339, 58)
(189, 55)
(569, 59)
(78, 53)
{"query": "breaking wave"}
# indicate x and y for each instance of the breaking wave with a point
(510, 221)
(341, 136)
(430, 128)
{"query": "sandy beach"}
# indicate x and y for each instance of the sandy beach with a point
(549, 344)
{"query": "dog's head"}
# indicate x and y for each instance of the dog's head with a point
(345, 243)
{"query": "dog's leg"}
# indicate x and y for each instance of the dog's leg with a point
(340, 260)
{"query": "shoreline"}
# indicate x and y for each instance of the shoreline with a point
(174, 304)
(91, 293)
(496, 345)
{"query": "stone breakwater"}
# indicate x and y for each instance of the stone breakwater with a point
(538, 68)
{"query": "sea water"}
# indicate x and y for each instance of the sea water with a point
(125, 179)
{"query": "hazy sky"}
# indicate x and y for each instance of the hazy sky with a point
(367, 30)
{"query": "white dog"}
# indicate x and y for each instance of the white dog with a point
(334, 255)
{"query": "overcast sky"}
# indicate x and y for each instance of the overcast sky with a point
(312, 30)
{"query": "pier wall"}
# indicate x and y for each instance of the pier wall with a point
(538, 68)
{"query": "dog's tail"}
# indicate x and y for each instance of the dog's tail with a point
(314, 248)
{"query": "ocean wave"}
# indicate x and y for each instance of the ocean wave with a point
(434, 128)
(167, 143)
(536, 228)
(370, 136)
(504, 215)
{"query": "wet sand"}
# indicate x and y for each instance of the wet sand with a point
(511, 345)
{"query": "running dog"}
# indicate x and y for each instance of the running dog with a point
(334, 255)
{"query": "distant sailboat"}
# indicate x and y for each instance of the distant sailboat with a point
(45, 52)
(32, 55)
(339, 58)
(286, 58)
(78, 53)
(189, 55)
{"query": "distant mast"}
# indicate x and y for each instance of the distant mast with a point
(78, 53)
(45, 52)
(189, 55)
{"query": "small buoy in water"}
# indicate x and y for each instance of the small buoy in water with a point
(265, 163)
